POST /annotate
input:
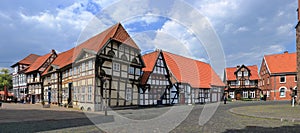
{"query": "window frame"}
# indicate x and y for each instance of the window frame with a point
(284, 92)
(284, 79)
(116, 66)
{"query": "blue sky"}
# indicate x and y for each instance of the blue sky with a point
(247, 29)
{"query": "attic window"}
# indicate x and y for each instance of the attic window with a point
(111, 53)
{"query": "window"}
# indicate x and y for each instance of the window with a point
(245, 73)
(90, 93)
(82, 98)
(83, 67)
(296, 78)
(268, 81)
(245, 94)
(247, 82)
(75, 70)
(116, 66)
(90, 65)
(282, 92)
(83, 90)
(70, 72)
(252, 94)
(233, 83)
(131, 70)
(128, 94)
(282, 79)
(239, 73)
(137, 71)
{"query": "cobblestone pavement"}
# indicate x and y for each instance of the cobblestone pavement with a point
(224, 121)
(33, 118)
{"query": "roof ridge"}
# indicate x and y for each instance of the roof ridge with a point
(185, 57)
(280, 54)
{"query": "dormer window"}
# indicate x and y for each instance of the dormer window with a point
(239, 73)
(245, 73)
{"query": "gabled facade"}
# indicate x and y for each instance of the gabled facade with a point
(156, 84)
(242, 82)
(109, 61)
(19, 78)
(55, 78)
(179, 80)
(278, 76)
(34, 72)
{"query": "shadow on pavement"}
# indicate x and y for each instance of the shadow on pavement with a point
(256, 129)
(54, 120)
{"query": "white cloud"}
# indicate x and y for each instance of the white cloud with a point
(74, 16)
(254, 55)
(242, 29)
(217, 9)
(286, 29)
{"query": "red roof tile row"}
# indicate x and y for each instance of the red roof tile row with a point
(27, 60)
(38, 63)
(281, 63)
(116, 32)
(196, 73)
(231, 70)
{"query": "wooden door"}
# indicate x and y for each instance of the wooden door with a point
(182, 98)
(238, 96)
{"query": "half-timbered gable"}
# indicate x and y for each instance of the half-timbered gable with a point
(242, 82)
(34, 73)
(190, 80)
(121, 64)
(110, 55)
(53, 78)
(19, 77)
(83, 79)
(156, 85)
(194, 80)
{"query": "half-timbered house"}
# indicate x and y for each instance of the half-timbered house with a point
(20, 89)
(107, 66)
(33, 73)
(170, 79)
(242, 82)
(57, 79)
(155, 83)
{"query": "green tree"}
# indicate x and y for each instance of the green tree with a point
(5, 79)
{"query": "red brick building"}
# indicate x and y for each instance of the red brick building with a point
(242, 82)
(278, 76)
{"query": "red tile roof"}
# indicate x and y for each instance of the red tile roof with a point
(281, 63)
(38, 62)
(95, 43)
(63, 59)
(231, 70)
(149, 60)
(196, 73)
(27, 60)
(185, 70)
(116, 32)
